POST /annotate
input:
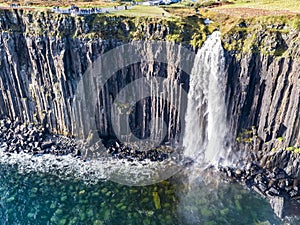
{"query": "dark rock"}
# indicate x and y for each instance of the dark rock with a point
(34, 140)
(131, 152)
(249, 182)
(293, 193)
(280, 173)
(262, 187)
(258, 190)
(47, 144)
(272, 192)
(243, 24)
(77, 152)
(282, 184)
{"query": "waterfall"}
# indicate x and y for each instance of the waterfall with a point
(206, 129)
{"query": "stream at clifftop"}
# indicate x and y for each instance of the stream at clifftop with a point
(40, 198)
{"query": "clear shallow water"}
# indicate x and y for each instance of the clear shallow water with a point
(38, 198)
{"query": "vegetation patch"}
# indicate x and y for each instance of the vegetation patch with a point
(184, 23)
(245, 136)
(141, 10)
(272, 6)
(189, 30)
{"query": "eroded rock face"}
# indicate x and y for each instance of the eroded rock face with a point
(263, 99)
(264, 92)
(43, 58)
(40, 74)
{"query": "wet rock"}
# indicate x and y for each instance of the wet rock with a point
(156, 200)
(33, 139)
(276, 184)
(277, 203)
(131, 152)
(272, 192)
(77, 152)
(293, 193)
(258, 190)
(47, 144)
(281, 184)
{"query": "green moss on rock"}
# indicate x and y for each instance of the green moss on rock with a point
(189, 31)
(267, 35)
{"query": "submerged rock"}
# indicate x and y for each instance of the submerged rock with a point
(275, 185)
(156, 200)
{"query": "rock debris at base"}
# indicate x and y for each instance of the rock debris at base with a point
(276, 185)
(16, 137)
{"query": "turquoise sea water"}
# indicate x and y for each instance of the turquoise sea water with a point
(38, 198)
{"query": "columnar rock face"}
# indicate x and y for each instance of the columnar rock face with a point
(263, 98)
(41, 74)
(44, 56)
(264, 92)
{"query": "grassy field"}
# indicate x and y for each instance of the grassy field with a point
(248, 8)
(180, 10)
(61, 3)
(290, 5)
(232, 8)
(238, 8)
(140, 10)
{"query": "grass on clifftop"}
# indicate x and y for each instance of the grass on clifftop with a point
(140, 10)
(61, 3)
(240, 21)
(288, 5)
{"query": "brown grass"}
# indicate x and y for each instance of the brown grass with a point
(180, 11)
(252, 12)
(61, 3)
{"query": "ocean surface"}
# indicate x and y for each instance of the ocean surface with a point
(46, 198)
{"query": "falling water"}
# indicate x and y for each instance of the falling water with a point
(206, 129)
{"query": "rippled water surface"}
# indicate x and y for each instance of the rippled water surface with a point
(38, 198)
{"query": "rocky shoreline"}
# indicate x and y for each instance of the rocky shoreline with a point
(16, 137)
(276, 185)
(131, 153)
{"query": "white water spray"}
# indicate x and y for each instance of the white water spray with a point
(206, 128)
